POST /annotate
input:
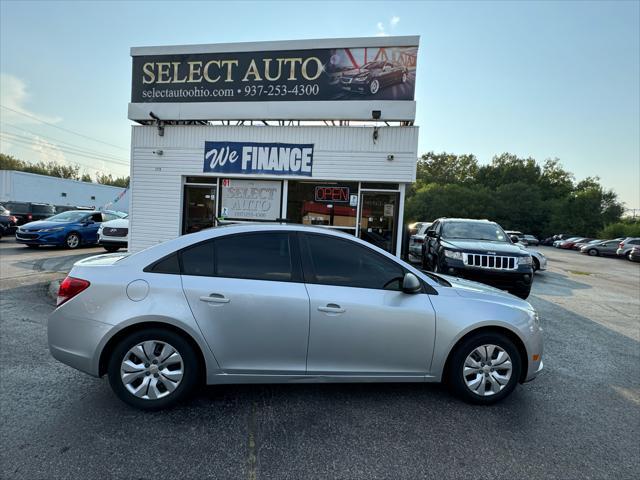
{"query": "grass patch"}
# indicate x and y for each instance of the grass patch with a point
(578, 272)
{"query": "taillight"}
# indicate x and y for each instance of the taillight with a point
(29, 217)
(13, 219)
(621, 245)
(69, 288)
(418, 240)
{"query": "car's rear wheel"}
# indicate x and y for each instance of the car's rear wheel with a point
(153, 369)
(72, 241)
(593, 252)
(484, 368)
(374, 86)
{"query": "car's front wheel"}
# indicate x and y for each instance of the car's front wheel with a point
(484, 368)
(72, 241)
(374, 86)
(593, 252)
(153, 369)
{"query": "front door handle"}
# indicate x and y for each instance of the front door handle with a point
(332, 308)
(215, 298)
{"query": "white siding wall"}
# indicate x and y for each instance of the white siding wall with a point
(340, 153)
(30, 187)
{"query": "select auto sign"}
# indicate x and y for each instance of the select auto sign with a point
(295, 74)
(258, 158)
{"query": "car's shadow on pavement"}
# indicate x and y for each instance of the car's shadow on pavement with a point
(556, 284)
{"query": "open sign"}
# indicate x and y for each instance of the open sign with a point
(332, 194)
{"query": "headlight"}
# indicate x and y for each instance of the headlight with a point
(525, 260)
(55, 229)
(453, 254)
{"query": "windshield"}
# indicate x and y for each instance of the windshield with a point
(372, 65)
(70, 216)
(42, 208)
(474, 231)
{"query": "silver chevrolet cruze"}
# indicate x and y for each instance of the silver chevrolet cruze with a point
(276, 303)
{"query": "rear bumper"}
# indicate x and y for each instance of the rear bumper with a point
(75, 341)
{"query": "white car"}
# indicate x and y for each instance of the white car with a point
(416, 241)
(114, 234)
(539, 260)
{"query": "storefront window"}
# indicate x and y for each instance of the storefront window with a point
(323, 203)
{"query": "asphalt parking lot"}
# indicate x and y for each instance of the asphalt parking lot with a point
(579, 420)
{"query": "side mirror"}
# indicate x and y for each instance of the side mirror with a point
(514, 239)
(411, 283)
(432, 234)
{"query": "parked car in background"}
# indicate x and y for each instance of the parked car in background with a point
(582, 243)
(8, 222)
(478, 250)
(605, 248)
(66, 208)
(373, 76)
(531, 240)
(114, 234)
(516, 233)
(26, 212)
(634, 254)
(625, 246)
(539, 259)
(568, 243)
(69, 229)
(285, 303)
(416, 241)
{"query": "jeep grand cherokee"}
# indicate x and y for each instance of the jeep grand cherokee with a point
(478, 250)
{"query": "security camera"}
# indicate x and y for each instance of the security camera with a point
(376, 114)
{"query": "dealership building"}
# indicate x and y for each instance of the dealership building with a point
(318, 132)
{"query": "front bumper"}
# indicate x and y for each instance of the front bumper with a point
(112, 242)
(40, 238)
(521, 278)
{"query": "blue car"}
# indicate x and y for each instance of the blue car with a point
(68, 229)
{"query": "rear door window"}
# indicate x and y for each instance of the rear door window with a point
(263, 256)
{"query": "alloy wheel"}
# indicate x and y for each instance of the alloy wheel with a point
(404, 77)
(73, 240)
(487, 370)
(374, 87)
(152, 369)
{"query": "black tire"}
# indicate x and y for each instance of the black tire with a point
(593, 252)
(30, 245)
(436, 266)
(536, 264)
(111, 248)
(455, 368)
(522, 292)
(187, 384)
(72, 241)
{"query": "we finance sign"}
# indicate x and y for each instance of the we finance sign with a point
(258, 158)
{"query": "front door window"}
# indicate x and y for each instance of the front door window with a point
(379, 219)
(199, 208)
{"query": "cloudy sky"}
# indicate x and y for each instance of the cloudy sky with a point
(541, 79)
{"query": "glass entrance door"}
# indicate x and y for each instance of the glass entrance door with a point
(379, 218)
(199, 208)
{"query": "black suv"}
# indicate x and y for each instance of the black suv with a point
(478, 250)
(27, 212)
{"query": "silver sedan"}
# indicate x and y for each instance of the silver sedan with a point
(283, 303)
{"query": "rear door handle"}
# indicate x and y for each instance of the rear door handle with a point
(215, 298)
(332, 308)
